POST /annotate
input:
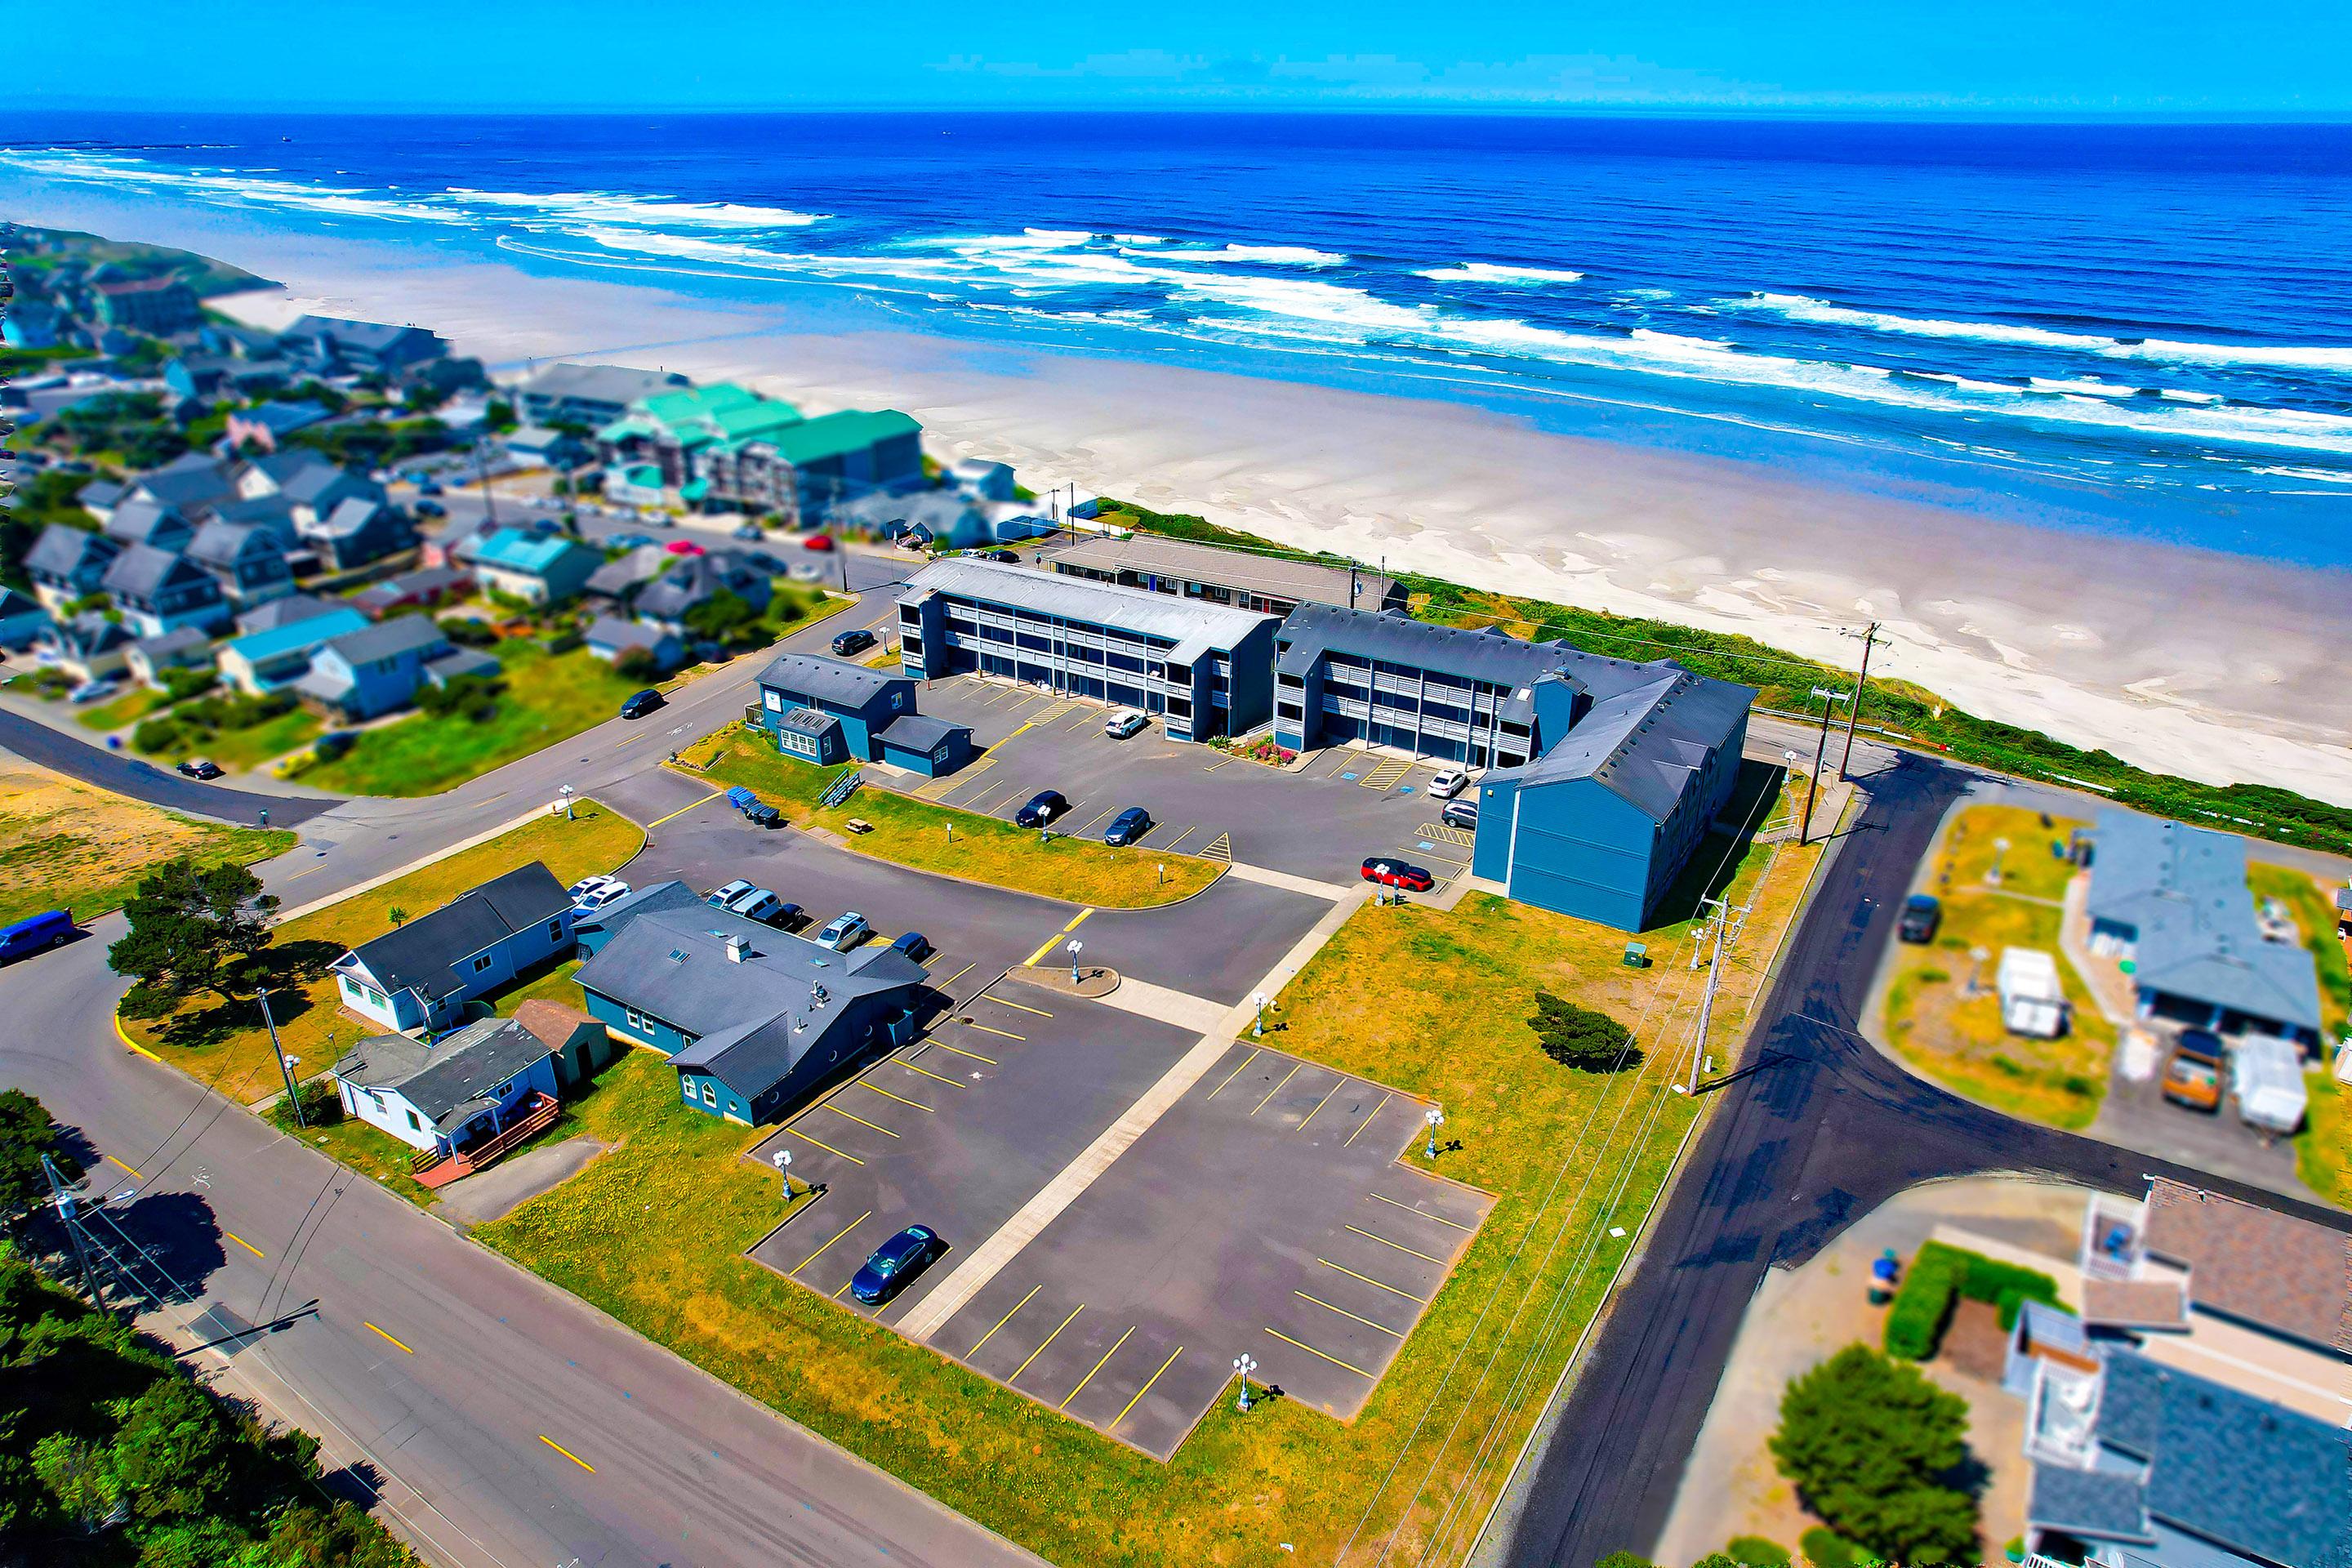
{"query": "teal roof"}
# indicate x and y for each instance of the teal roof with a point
(261, 646)
(694, 489)
(519, 551)
(833, 434)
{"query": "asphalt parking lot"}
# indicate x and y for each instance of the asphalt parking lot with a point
(1321, 822)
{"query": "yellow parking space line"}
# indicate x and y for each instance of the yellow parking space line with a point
(1049, 1340)
(380, 1335)
(899, 1098)
(1023, 1005)
(1369, 1280)
(837, 1234)
(1095, 1368)
(682, 810)
(1031, 962)
(1005, 1320)
(1183, 835)
(824, 1145)
(567, 1453)
(958, 974)
(245, 1244)
(1147, 1385)
(1344, 1313)
(1077, 920)
(1008, 1034)
(1213, 767)
(1321, 1104)
(1423, 1213)
(1106, 812)
(1335, 1360)
(1236, 1073)
(134, 1174)
(1400, 1246)
(1367, 1121)
(929, 1073)
(1277, 1088)
(843, 1289)
(859, 1120)
(962, 1052)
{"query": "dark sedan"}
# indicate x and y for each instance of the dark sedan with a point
(894, 1263)
(641, 703)
(1397, 874)
(1129, 826)
(1042, 807)
(850, 642)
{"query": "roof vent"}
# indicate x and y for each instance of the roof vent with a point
(676, 955)
(737, 950)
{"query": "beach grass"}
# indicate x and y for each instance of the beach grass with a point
(64, 845)
(224, 1043)
(1433, 1001)
(915, 832)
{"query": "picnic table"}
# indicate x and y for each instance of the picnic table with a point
(858, 825)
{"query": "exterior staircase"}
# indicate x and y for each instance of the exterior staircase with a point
(435, 1169)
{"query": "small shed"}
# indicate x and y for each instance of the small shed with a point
(925, 745)
(2032, 999)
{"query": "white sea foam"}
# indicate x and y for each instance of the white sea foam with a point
(1268, 255)
(1821, 312)
(610, 207)
(2080, 388)
(1140, 238)
(225, 185)
(2319, 476)
(1490, 272)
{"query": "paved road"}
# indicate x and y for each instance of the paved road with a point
(492, 1367)
(1819, 1128)
(76, 758)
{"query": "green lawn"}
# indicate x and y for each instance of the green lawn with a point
(247, 748)
(224, 1043)
(1433, 1002)
(959, 843)
(2312, 902)
(128, 709)
(548, 698)
(64, 845)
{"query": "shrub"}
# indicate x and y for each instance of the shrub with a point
(161, 734)
(1825, 1548)
(1868, 1441)
(473, 697)
(637, 664)
(1923, 1304)
(179, 685)
(466, 632)
(1580, 1038)
(321, 1107)
(1755, 1552)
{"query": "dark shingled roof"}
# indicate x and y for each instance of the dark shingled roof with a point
(284, 612)
(2092, 1503)
(419, 955)
(833, 680)
(142, 521)
(64, 549)
(383, 640)
(450, 1079)
(1643, 744)
(918, 732)
(656, 899)
(143, 571)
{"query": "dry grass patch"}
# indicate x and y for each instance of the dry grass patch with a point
(67, 844)
(1972, 845)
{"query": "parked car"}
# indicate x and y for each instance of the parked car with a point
(2193, 1073)
(1042, 807)
(1921, 915)
(1460, 814)
(430, 508)
(201, 768)
(854, 641)
(846, 933)
(789, 916)
(640, 703)
(429, 487)
(761, 561)
(92, 690)
(34, 932)
(593, 893)
(727, 893)
(817, 542)
(894, 1263)
(759, 904)
(631, 541)
(804, 571)
(1397, 874)
(915, 945)
(749, 531)
(1449, 783)
(1129, 826)
(1125, 722)
(1011, 556)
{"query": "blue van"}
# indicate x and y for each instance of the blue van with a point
(34, 932)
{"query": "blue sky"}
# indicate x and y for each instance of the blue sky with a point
(1965, 56)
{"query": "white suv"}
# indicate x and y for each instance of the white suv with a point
(1449, 783)
(1126, 721)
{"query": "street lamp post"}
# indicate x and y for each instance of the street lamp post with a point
(1436, 1119)
(1999, 847)
(1258, 1030)
(1820, 750)
(783, 1160)
(566, 792)
(1077, 947)
(1243, 1365)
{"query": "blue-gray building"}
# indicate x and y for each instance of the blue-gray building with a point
(827, 710)
(1205, 669)
(754, 1019)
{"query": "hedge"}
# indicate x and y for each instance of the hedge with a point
(1938, 1274)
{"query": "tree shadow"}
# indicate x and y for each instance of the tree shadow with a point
(179, 1232)
(296, 962)
(71, 1142)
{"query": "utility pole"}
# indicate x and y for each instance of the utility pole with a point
(65, 1203)
(293, 1095)
(1724, 915)
(1870, 639)
(1820, 749)
(482, 474)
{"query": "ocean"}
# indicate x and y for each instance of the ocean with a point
(2140, 330)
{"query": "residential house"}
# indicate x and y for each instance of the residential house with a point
(537, 568)
(284, 611)
(420, 975)
(87, 646)
(422, 589)
(273, 514)
(1269, 583)
(361, 530)
(863, 702)
(600, 925)
(753, 1020)
(696, 580)
(99, 498)
(32, 324)
(137, 519)
(263, 660)
(22, 618)
(612, 639)
(326, 346)
(461, 1100)
(590, 394)
(948, 519)
(158, 591)
(246, 559)
(548, 448)
(204, 377)
(2173, 900)
(156, 306)
(264, 427)
(67, 565)
(579, 1045)
(183, 648)
(365, 674)
(617, 581)
(311, 484)
(727, 446)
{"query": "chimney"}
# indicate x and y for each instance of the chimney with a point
(736, 949)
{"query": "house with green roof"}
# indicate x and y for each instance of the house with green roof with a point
(537, 568)
(725, 446)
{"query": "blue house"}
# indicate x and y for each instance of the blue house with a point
(376, 670)
(262, 661)
(828, 711)
(537, 568)
(420, 975)
(755, 1020)
(21, 619)
(159, 592)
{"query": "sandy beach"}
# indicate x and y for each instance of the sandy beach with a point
(2215, 667)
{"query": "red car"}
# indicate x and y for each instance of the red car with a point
(817, 542)
(1397, 874)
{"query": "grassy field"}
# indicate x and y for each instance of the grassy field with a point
(959, 843)
(249, 747)
(1973, 845)
(128, 709)
(64, 845)
(548, 698)
(1569, 1154)
(1958, 1039)
(225, 1044)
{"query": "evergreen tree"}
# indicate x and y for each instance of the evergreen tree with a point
(1869, 1442)
(192, 928)
(1580, 1038)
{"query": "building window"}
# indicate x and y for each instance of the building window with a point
(555, 929)
(377, 1097)
(710, 1094)
(686, 1088)
(415, 1125)
(637, 1019)
(481, 963)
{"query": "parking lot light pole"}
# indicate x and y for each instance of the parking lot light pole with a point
(783, 1159)
(1077, 947)
(1243, 1366)
(1820, 750)
(1436, 1119)
(1258, 1030)
(566, 794)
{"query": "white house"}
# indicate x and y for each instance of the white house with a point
(420, 975)
(450, 1095)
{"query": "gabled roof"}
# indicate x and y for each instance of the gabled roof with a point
(833, 680)
(284, 611)
(190, 480)
(600, 382)
(918, 732)
(281, 419)
(689, 582)
(387, 639)
(613, 579)
(64, 550)
(450, 1079)
(424, 582)
(1644, 744)
(141, 572)
(274, 513)
(287, 636)
(140, 521)
(420, 955)
(513, 550)
(178, 640)
(88, 635)
(352, 514)
(99, 492)
(223, 545)
(612, 632)
(1184, 622)
(368, 337)
(2288, 1275)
